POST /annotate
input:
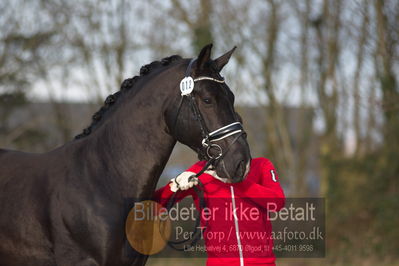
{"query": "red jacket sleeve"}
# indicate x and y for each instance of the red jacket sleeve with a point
(164, 194)
(265, 190)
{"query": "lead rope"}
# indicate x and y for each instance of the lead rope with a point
(202, 205)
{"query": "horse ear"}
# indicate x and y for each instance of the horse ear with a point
(204, 56)
(224, 59)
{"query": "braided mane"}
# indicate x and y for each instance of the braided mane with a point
(127, 84)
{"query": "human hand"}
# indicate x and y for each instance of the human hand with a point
(183, 181)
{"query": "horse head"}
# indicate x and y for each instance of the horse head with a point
(203, 116)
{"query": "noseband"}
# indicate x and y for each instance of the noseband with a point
(209, 139)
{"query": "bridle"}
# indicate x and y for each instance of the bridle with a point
(208, 142)
(209, 139)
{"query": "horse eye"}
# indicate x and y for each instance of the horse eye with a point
(207, 100)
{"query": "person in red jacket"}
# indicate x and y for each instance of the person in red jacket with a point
(237, 228)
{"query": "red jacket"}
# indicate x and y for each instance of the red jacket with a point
(243, 238)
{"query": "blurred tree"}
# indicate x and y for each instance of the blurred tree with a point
(21, 50)
(386, 171)
(199, 22)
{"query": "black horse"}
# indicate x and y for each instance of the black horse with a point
(68, 206)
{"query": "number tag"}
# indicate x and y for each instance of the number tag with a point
(186, 86)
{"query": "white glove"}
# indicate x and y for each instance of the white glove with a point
(182, 181)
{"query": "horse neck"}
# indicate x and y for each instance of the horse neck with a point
(130, 149)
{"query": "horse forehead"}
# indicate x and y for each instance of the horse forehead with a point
(215, 89)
